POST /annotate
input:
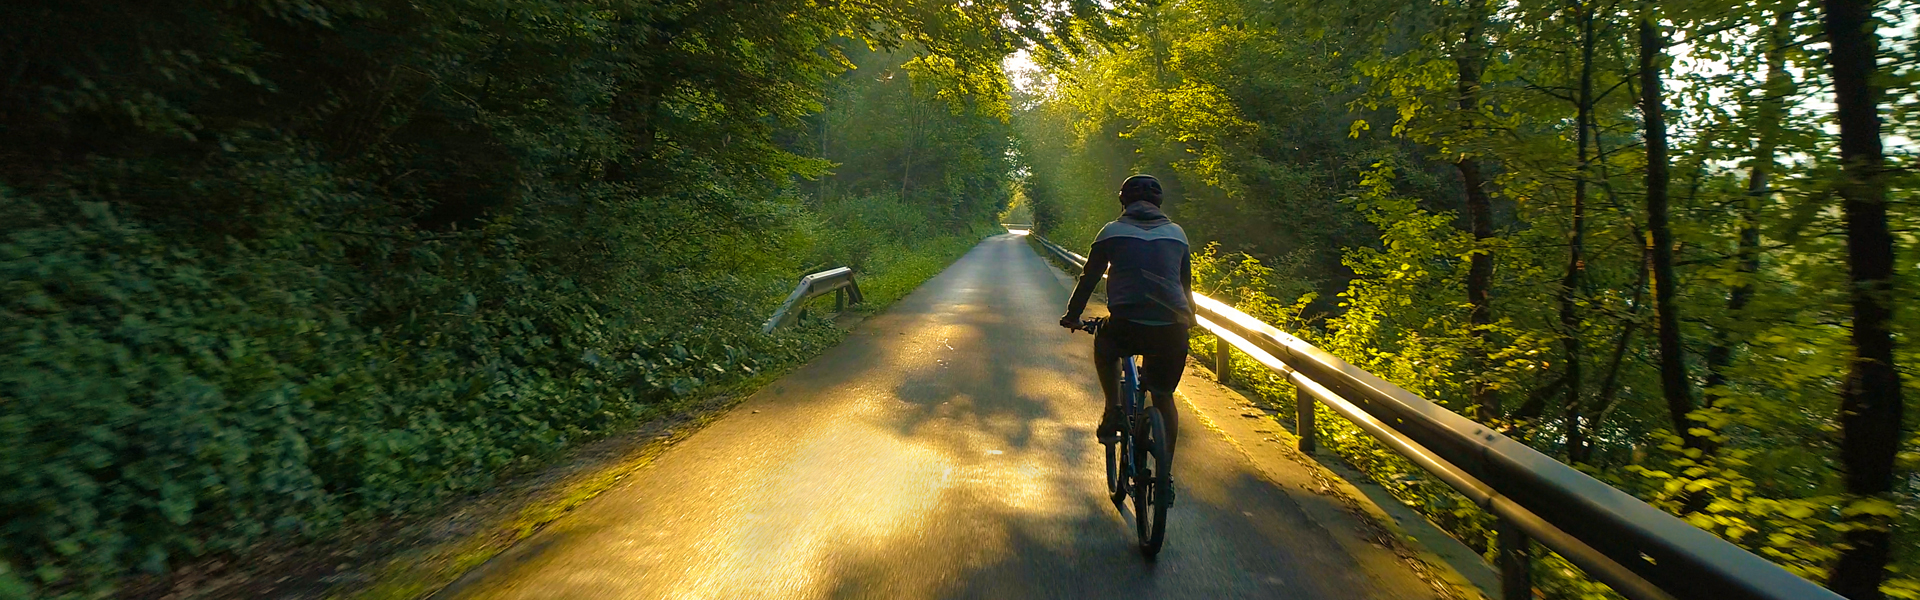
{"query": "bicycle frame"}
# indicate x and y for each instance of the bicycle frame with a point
(1134, 401)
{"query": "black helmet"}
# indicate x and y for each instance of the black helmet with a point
(1140, 187)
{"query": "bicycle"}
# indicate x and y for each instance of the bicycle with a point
(1138, 470)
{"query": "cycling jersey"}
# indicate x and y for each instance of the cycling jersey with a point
(1149, 271)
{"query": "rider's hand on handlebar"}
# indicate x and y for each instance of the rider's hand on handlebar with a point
(1070, 322)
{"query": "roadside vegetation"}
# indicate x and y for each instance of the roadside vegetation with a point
(276, 268)
(1669, 243)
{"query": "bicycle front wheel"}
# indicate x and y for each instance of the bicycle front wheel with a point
(1153, 491)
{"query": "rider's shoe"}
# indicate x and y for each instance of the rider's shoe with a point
(1110, 424)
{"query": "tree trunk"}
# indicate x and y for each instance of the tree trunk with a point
(1653, 111)
(1576, 242)
(1870, 403)
(1767, 120)
(1469, 61)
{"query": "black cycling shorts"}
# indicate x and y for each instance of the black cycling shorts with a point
(1162, 348)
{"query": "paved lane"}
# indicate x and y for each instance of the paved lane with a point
(945, 450)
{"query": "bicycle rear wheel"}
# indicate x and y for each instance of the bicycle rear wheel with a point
(1153, 489)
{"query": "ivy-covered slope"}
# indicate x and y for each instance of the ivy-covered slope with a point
(271, 267)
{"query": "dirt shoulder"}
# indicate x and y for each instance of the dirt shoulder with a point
(1387, 535)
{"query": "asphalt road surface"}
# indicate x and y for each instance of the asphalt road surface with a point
(944, 450)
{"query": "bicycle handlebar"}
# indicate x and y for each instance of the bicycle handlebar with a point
(1092, 325)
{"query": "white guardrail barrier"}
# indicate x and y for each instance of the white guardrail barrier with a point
(839, 281)
(1640, 551)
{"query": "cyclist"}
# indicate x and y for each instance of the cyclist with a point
(1149, 290)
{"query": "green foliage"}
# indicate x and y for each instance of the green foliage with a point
(1231, 111)
(902, 270)
(166, 404)
(1404, 316)
(273, 267)
(1321, 146)
(910, 157)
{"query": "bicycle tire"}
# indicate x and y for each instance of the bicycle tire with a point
(1119, 469)
(1142, 480)
(1153, 491)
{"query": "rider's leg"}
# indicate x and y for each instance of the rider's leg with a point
(1170, 413)
(1163, 361)
(1106, 365)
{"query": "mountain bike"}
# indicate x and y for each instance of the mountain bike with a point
(1137, 465)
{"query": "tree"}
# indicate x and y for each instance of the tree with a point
(1469, 63)
(1871, 408)
(1673, 368)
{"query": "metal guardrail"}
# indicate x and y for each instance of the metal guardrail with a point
(839, 281)
(1640, 551)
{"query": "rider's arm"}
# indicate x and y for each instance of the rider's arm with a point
(1186, 275)
(1089, 277)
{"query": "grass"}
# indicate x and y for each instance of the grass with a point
(906, 270)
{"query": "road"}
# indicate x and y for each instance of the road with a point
(944, 450)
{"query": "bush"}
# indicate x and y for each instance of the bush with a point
(158, 403)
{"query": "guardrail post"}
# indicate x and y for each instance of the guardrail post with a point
(1303, 419)
(1222, 361)
(846, 291)
(1516, 568)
